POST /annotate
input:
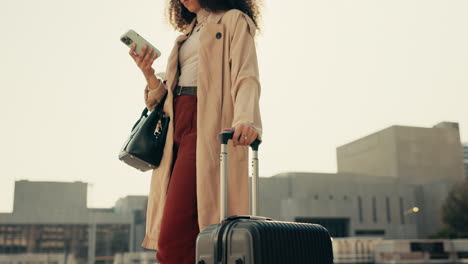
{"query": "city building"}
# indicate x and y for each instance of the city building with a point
(38, 258)
(465, 158)
(421, 251)
(354, 250)
(135, 258)
(416, 251)
(390, 184)
(52, 217)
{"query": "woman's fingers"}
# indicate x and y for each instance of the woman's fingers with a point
(244, 135)
(148, 56)
(148, 65)
(144, 60)
(132, 52)
(235, 137)
(136, 57)
(155, 56)
(251, 137)
(143, 50)
(141, 57)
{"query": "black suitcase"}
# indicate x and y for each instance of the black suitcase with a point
(259, 240)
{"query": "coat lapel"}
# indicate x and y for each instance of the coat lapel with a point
(215, 17)
(172, 64)
(211, 56)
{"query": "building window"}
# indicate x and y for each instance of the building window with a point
(44, 239)
(402, 213)
(387, 203)
(359, 199)
(378, 232)
(435, 249)
(374, 210)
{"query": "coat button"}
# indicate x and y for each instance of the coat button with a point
(219, 35)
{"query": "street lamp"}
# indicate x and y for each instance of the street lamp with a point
(411, 210)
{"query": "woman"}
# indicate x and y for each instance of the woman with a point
(212, 84)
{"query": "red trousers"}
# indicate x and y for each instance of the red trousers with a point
(179, 226)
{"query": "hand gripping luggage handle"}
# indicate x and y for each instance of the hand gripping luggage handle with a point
(224, 137)
(227, 135)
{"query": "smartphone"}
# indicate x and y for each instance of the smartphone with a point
(131, 37)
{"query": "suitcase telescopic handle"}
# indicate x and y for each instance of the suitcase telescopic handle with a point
(227, 135)
(224, 137)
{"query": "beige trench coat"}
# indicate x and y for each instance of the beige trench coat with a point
(228, 94)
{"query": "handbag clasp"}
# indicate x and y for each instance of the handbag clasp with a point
(158, 129)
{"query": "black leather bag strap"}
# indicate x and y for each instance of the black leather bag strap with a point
(160, 105)
(158, 108)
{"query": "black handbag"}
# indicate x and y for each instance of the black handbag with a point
(144, 147)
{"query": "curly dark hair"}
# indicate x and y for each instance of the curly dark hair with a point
(180, 17)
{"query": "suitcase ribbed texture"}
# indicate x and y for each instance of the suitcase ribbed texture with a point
(289, 242)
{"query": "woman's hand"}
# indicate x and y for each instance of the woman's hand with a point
(145, 62)
(244, 135)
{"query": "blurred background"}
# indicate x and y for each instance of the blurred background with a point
(364, 107)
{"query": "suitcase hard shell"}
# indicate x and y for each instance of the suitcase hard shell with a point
(259, 240)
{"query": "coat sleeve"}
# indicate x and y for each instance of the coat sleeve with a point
(245, 88)
(153, 97)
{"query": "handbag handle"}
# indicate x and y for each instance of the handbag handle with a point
(157, 108)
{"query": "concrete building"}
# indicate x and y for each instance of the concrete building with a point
(347, 205)
(52, 217)
(443, 251)
(135, 258)
(465, 159)
(414, 155)
(416, 251)
(380, 179)
(354, 250)
(38, 258)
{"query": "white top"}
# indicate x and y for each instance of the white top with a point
(188, 54)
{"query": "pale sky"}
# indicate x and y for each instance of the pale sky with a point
(332, 71)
